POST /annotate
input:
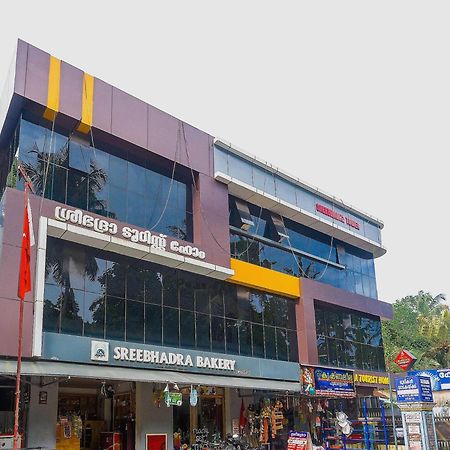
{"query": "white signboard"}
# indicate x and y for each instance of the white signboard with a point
(100, 352)
(146, 237)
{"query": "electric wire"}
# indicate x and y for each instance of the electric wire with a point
(177, 151)
(46, 169)
(284, 226)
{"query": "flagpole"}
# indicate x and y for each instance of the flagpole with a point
(18, 376)
(19, 340)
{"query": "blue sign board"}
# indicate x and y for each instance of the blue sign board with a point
(412, 389)
(440, 378)
(334, 381)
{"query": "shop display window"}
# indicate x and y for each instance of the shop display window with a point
(201, 425)
(92, 293)
(348, 338)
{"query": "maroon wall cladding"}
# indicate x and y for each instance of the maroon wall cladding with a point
(71, 91)
(21, 67)
(306, 331)
(339, 297)
(129, 118)
(102, 105)
(211, 230)
(312, 291)
(169, 136)
(9, 276)
(36, 83)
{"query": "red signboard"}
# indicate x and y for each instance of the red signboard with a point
(405, 360)
(337, 216)
(156, 441)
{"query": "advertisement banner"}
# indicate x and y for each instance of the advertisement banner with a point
(440, 378)
(299, 440)
(334, 382)
(413, 389)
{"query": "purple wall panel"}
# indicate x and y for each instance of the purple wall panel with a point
(211, 230)
(9, 326)
(306, 331)
(163, 131)
(71, 91)
(165, 135)
(339, 297)
(21, 67)
(306, 322)
(102, 116)
(129, 118)
(36, 84)
(199, 149)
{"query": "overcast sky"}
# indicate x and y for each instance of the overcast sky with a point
(351, 96)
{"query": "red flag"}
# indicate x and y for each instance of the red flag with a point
(27, 243)
(242, 418)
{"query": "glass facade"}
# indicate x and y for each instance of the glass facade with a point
(267, 181)
(92, 293)
(357, 277)
(126, 188)
(349, 339)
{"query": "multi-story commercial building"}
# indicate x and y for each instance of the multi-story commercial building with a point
(169, 266)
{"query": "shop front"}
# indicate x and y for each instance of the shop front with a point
(326, 395)
(113, 395)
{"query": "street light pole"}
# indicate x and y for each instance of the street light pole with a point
(391, 401)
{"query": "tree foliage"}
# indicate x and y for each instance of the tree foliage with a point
(421, 324)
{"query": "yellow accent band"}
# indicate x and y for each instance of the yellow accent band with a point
(87, 104)
(264, 279)
(54, 88)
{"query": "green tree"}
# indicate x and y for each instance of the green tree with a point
(421, 324)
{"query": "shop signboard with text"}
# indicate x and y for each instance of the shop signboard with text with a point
(440, 378)
(327, 382)
(405, 360)
(84, 350)
(414, 389)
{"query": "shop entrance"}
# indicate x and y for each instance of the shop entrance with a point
(202, 423)
(95, 415)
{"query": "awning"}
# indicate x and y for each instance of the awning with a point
(60, 369)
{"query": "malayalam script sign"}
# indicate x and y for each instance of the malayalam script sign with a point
(157, 241)
(413, 389)
(405, 360)
(440, 378)
(299, 440)
(334, 381)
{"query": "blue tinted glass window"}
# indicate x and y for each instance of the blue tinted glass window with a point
(115, 318)
(349, 338)
(217, 334)
(187, 329)
(153, 324)
(102, 295)
(88, 178)
(171, 327)
(80, 157)
(202, 331)
(232, 336)
(136, 178)
(135, 321)
(94, 315)
(117, 204)
(53, 299)
(270, 342)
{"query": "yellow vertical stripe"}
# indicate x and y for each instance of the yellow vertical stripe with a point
(87, 104)
(54, 88)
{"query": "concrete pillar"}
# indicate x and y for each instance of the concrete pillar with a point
(151, 419)
(41, 426)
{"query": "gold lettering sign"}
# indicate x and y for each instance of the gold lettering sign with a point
(364, 378)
